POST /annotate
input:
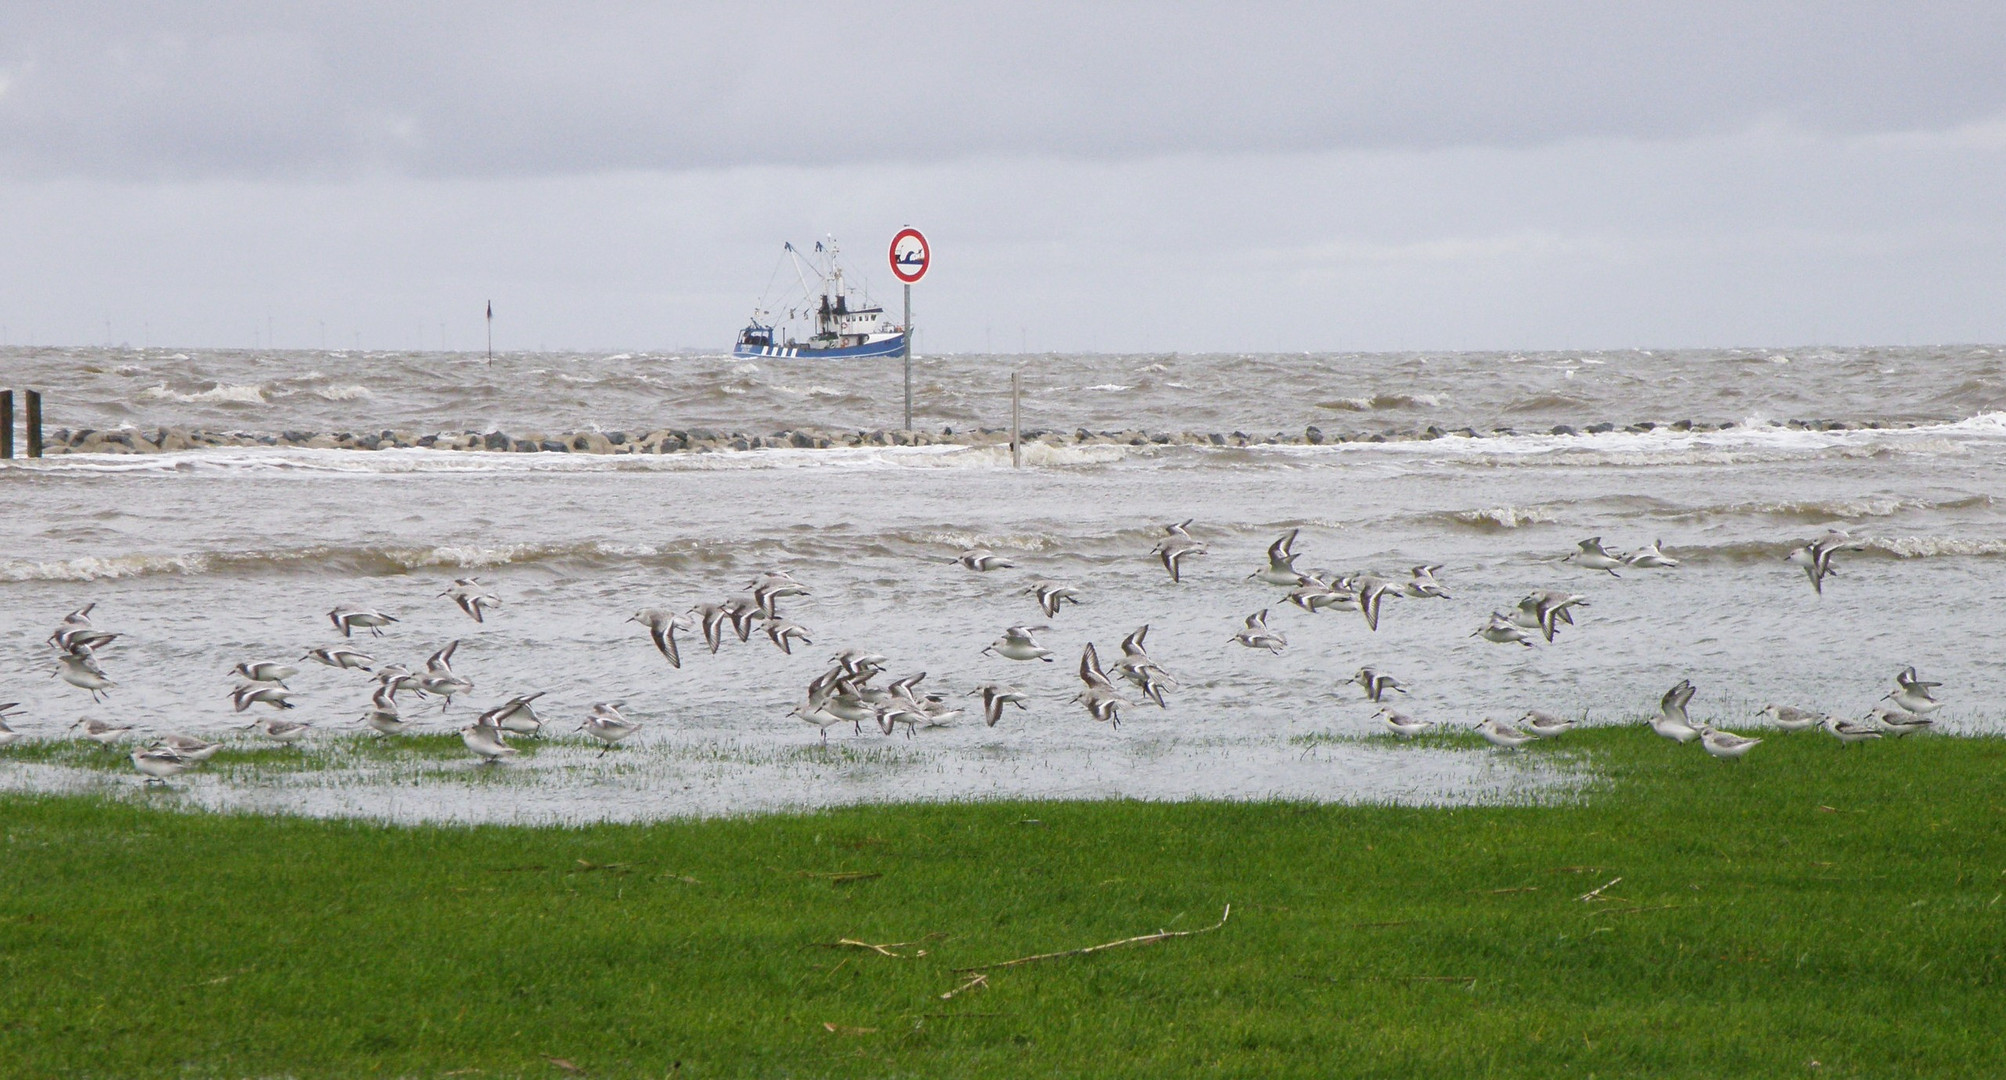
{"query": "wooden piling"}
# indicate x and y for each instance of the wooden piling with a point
(6, 424)
(1016, 419)
(34, 423)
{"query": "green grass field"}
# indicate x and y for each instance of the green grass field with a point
(1811, 911)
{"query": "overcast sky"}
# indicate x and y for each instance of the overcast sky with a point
(1187, 177)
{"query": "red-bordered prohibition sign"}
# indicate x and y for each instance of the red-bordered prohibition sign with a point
(910, 256)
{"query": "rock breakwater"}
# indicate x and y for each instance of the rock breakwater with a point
(128, 440)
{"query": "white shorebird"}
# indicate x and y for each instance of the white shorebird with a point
(784, 635)
(817, 713)
(472, 597)
(443, 685)
(741, 610)
(1593, 556)
(1502, 630)
(1545, 609)
(1848, 732)
(1052, 597)
(1725, 745)
(1424, 585)
(1544, 724)
(341, 657)
(80, 669)
(382, 714)
(1281, 569)
(1136, 666)
(74, 638)
(1913, 694)
(189, 746)
(662, 628)
(860, 664)
(443, 659)
(395, 677)
(1651, 557)
(1503, 736)
(1176, 546)
(981, 558)
(249, 694)
(102, 732)
(1376, 685)
(1815, 557)
(1017, 643)
(771, 586)
(1099, 696)
(76, 631)
(1671, 721)
(1402, 724)
(1898, 722)
(994, 696)
(1372, 590)
(349, 619)
(440, 680)
(160, 763)
(265, 671)
(1315, 594)
(1258, 636)
(281, 731)
(517, 715)
(8, 736)
(1790, 718)
(487, 742)
(710, 620)
(607, 725)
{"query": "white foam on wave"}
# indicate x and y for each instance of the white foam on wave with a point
(1107, 388)
(222, 393)
(101, 568)
(1507, 517)
(350, 392)
(1924, 547)
(810, 391)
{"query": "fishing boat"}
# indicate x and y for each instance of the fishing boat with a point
(838, 322)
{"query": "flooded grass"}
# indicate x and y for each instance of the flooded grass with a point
(1811, 910)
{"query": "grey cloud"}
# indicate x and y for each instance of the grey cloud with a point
(490, 90)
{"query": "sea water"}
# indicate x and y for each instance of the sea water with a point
(201, 559)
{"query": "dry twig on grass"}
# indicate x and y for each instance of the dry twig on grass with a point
(881, 950)
(1596, 893)
(975, 981)
(1142, 939)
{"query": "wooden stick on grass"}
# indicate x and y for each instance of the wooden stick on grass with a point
(1596, 893)
(1142, 939)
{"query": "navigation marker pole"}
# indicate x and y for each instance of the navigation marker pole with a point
(910, 257)
(491, 333)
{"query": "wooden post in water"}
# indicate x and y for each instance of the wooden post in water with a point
(34, 423)
(1016, 418)
(6, 423)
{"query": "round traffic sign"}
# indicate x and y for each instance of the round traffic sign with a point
(910, 256)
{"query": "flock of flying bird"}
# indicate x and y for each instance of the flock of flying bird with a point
(844, 694)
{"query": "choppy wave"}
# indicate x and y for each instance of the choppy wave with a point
(349, 392)
(1381, 402)
(1502, 517)
(364, 560)
(220, 394)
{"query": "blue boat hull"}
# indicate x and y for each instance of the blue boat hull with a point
(889, 347)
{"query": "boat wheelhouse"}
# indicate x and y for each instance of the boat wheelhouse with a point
(837, 321)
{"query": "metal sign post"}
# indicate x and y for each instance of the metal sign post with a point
(910, 257)
(908, 357)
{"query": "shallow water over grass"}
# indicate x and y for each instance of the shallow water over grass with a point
(567, 781)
